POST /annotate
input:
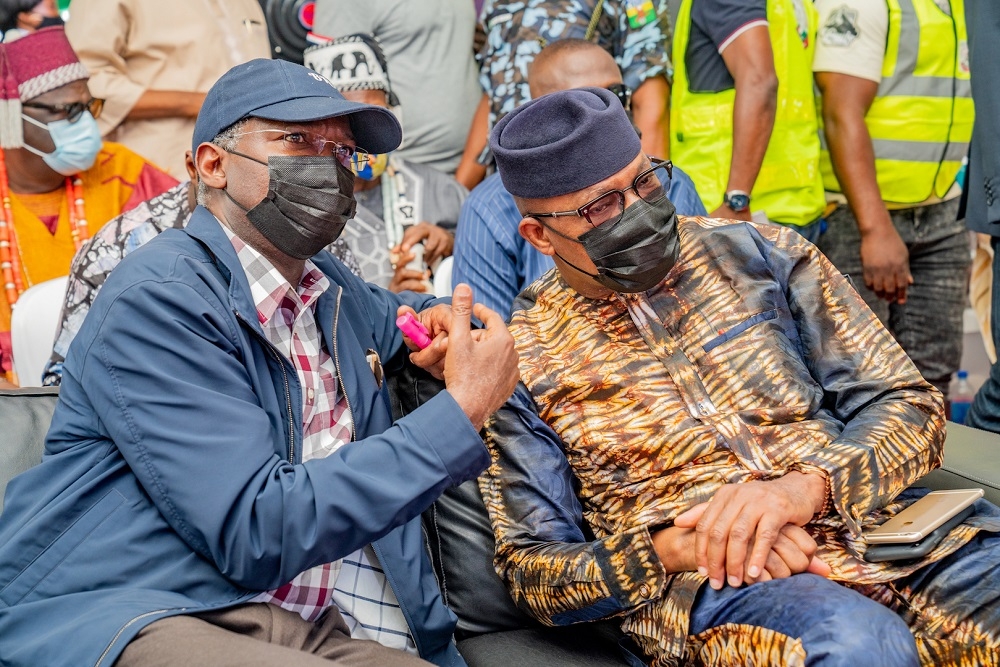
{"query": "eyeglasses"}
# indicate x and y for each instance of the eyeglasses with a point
(73, 110)
(623, 93)
(608, 207)
(301, 141)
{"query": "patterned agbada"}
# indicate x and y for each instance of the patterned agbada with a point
(119, 181)
(753, 358)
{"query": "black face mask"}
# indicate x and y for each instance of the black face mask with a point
(49, 21)
(309, 201)
(637, 252)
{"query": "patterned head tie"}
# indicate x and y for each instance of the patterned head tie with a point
(31, 66)
(354, 62)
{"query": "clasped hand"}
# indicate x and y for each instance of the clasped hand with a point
(748, 532)
(478, 366)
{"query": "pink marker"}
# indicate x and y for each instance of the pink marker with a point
(413, 330)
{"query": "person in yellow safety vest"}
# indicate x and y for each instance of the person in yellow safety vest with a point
(897, 114)
(742, 118)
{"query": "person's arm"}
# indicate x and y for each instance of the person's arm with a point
(884, 257)
(651, 114)
(166, 104)
(893, 419)
(750, 61)
(552, 570)
(98, 30)
(469, 172)
(186, 417)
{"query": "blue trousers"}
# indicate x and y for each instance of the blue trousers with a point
(839, 626)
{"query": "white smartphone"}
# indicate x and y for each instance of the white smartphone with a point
(921, 518)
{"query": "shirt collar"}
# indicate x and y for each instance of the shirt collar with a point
(268, 287)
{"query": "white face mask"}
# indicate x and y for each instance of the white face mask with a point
(77, 144)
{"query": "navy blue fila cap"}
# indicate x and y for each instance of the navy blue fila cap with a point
(286, 92)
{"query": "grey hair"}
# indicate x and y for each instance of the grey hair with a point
(226, 140)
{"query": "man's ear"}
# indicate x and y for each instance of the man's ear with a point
(192, 171)
(535, 234)
(30, 19)
(208, 161)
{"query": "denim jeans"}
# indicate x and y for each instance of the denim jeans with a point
(838, 627)
(929, 325)
(951, 608)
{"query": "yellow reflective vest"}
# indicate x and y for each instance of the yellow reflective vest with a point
(921, 120)
(789, 188)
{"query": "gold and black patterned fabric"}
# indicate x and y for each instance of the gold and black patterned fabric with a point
(753, 358)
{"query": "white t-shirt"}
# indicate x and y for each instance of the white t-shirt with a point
(852, 36)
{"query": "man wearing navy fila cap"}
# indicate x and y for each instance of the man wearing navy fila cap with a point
(223, 482)
(715, 402)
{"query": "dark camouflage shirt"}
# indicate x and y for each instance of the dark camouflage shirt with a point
(517, 31)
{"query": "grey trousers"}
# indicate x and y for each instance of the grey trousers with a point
(929, 325)
(256, 635)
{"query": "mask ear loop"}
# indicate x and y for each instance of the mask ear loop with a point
(555, 231)
(32, 149)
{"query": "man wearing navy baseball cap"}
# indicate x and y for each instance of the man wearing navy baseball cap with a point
(224, 483)
(716, 402)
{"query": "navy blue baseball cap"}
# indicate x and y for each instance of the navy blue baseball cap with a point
(283, 91)
(563, 142)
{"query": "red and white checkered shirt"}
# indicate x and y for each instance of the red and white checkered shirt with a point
(356, 584)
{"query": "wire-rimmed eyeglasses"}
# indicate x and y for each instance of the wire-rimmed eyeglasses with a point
(302, 141)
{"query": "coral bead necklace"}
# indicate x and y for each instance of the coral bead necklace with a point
(10, 257)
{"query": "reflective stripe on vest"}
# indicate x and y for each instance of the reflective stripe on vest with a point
(789, 188)
(921, 120)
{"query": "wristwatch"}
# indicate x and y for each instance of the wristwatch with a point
(737, 200)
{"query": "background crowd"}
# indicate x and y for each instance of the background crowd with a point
(847, 120)
(717, 253)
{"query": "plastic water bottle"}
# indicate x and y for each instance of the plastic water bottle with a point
(961, 395)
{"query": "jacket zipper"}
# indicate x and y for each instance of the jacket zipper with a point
(336, 363)
(288, 392)
(127, 625)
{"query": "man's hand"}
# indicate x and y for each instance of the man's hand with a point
(727, 213)
(738, 528)
(480, 366)
(794, 551)
(407, 279)
(438, 242)
(886, 263)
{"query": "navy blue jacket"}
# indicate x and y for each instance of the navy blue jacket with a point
(172, 481)
(983, 180)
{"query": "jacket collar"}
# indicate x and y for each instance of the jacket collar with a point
(207, 229)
